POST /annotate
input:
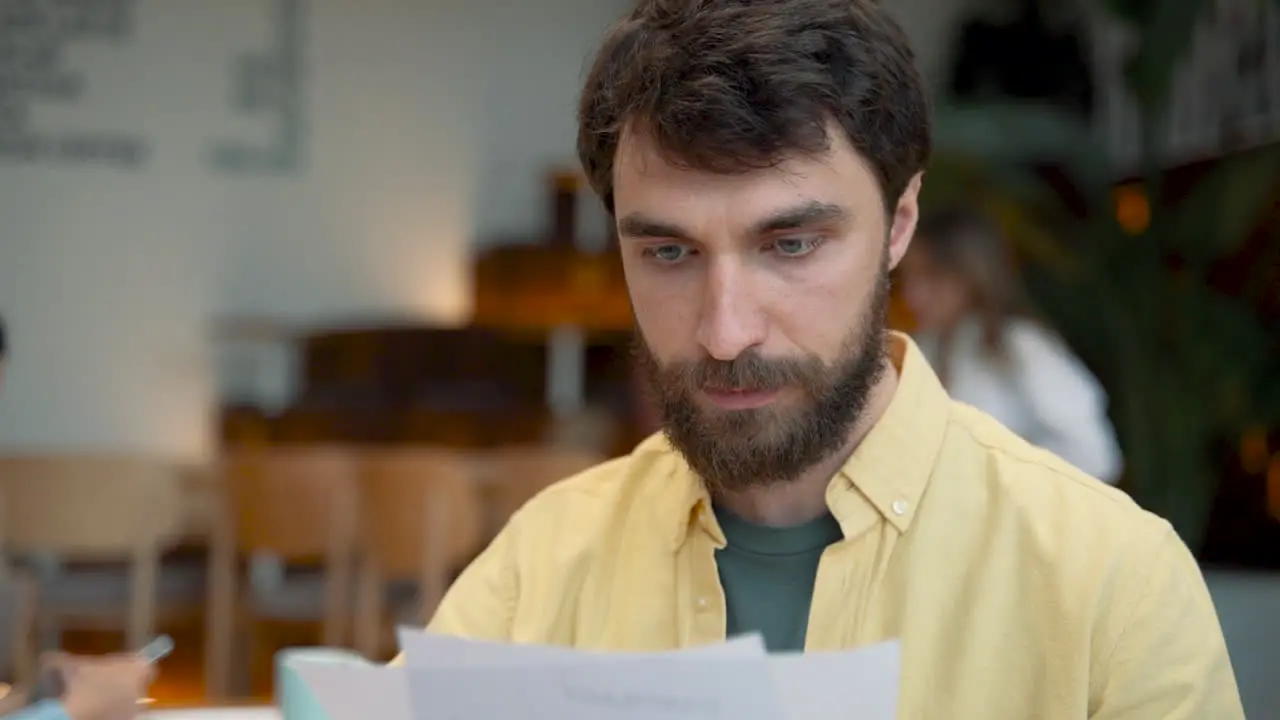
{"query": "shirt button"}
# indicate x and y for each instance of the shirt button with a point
(899, 507)
(703, 603)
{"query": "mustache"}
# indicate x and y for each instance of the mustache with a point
(750, 371)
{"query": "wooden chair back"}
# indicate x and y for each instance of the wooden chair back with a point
(422, 520)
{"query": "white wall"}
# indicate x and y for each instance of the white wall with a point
(431, 124)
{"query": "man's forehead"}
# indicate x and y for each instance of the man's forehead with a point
(640, 154)
(641, 158)
(651, 190)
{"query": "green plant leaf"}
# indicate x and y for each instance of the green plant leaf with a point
(963, 180)
(1133, 12)
(1013, 132)
(1164, 37)
(1014, 195)
(1224, 208)
(1007, 130)
(1008, 138)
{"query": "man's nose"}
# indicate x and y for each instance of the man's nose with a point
(731, 320)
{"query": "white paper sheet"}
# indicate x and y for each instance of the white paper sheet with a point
(426, 649)
(857, 684)
(653, 688)
(447, 678)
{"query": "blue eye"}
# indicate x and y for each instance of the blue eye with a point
(795, 247)
(666, 253)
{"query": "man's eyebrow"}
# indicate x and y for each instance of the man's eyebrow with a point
(638, 225)
(803, 215)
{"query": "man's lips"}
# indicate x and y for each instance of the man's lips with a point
(739, 399)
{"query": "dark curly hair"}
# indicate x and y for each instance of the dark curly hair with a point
(731, 86)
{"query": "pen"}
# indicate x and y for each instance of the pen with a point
(157, 649)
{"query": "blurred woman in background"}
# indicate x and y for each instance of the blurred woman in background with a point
(962, 287)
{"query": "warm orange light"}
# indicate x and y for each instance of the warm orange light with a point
(1254, 451)
(567, 180)
(589, 277)
(1133, 209)
(1273, 486)
(900, 317)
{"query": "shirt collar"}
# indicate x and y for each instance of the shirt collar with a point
(885, 477)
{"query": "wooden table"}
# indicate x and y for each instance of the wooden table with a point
(216, 713)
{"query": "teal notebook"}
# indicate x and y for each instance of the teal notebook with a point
(294, 699)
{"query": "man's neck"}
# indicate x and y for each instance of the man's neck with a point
(805, 498)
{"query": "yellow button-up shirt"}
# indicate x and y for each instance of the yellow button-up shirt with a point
(1019, 587)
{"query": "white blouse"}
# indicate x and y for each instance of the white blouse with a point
(1038, 389)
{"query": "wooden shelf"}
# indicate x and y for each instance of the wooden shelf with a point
(541, 287)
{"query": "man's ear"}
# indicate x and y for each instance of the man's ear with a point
(905, 217)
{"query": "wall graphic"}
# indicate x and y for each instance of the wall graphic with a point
(266, 84)
(34, 37)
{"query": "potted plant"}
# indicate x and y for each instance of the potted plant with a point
(1184, 364)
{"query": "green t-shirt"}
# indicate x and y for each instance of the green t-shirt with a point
(767, 574)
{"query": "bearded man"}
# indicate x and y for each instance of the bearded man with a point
(762, 161)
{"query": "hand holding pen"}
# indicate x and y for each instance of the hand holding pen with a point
(110, 687)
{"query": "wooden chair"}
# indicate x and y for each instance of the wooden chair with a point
(19, 593)
(510, 476)
(107, 521)
(421, 521)
(298, 506)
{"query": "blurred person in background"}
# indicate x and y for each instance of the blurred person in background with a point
(962, 286)
(110, 687)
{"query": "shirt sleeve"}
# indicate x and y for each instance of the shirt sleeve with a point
(481, 602)
(1066, 401)
(43, 710)
(1166, 656)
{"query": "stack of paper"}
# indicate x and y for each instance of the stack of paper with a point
(448, 678)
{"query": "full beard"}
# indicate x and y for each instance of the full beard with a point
(733, 450)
